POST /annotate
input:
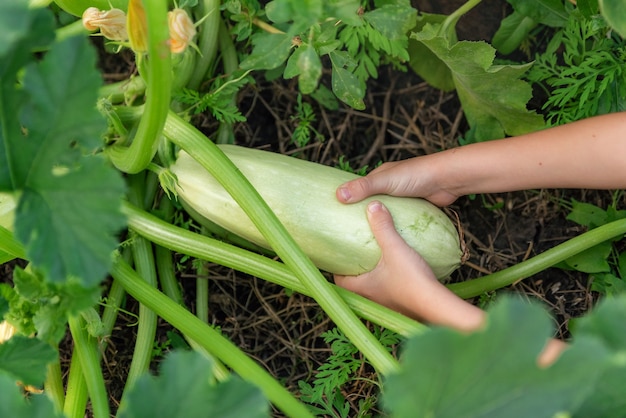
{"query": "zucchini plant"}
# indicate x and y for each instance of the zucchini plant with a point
(81, 169)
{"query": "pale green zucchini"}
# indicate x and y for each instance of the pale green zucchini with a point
(337, 237)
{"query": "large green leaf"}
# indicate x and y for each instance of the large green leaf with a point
(26, 359)
(547, 12)
(184, 389)
(425, 62)
(493, 96)
(614, 11)
(494, 372)
(270, 51)
(607, 323)
(69, 209)
(13, 403)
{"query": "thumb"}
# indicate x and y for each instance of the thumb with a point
(382, 225)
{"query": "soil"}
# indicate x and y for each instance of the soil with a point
(404, 117)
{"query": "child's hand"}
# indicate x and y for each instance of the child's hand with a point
(414, 177)
(404, 282)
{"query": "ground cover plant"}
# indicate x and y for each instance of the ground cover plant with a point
(89, 211)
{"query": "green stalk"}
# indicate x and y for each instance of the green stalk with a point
(534, 265)
(54, 385)
(171, 288)
(454, 17)
(205, 248)
(202, 295)
(230, 64)
(214, 160)
(119, 91)
(208, 338)
(76, 393)
(87, 349)
(143, 257)
(207, 40)
(138, 155)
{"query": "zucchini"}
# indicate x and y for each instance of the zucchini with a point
(337, 237)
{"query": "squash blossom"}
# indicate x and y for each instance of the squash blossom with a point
(6, 331)
(112, 23)
(182, 30)
(137, 26)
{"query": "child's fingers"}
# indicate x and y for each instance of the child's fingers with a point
(382, 225)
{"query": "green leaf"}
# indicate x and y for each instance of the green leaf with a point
(493, 372)
(15, 20)
(606, 322)
(43, 307)
(307, 64)
(512, 31)
(69, 210)
(13, 403)
(547, 12)
(592, 260)
(38, 29)
(588, 8)
(608, 284)
(587, 214)
(425, 62)
(270, 51)
(26, 359)
(614, 11)
(302, 13)
(184, 389)
(392, 20)
(493, 96)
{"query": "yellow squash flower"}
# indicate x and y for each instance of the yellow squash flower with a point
(182, 30)
(112, 23)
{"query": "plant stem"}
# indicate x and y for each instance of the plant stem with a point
(205, 248)
(143, 258)
(534, 265)
(454, 17)
(208, 338)
(87, 350)
(135, 158)
(202, 294)
(76, 393)
(230, 64)
(54, 385)
(209, 10)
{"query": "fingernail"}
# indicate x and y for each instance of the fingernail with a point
(375, 206)
(345, 194)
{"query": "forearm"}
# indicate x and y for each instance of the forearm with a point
(585, 154)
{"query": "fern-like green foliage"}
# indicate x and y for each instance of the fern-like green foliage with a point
(219, 99)
(324, 396)
(582, 70)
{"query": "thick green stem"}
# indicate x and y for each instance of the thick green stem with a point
(534, 265)
(208, 338)
(136, 158)
(143, 257)
(209, 11)
(230, 64)
(202, 295)
(76, 393)
(205, 248)
(213, 159)
(54, 385)
(87, 349)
